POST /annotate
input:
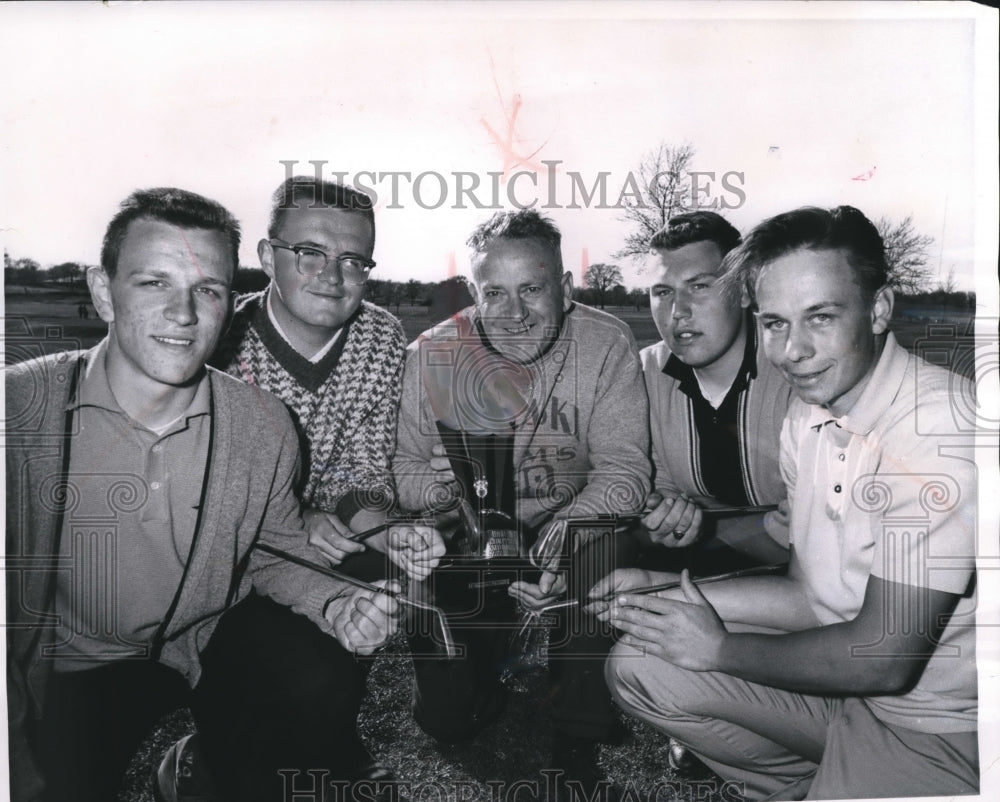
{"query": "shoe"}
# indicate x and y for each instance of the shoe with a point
(380, 784)
(683, 761)
(182, 775)
(580, 778)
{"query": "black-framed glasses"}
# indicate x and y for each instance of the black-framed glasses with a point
(310, 261)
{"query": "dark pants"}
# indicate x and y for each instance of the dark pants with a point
(456, 698)
(275, 693)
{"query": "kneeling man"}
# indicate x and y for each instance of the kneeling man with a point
(855, 674)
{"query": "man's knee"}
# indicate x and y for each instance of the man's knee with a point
(641, 684)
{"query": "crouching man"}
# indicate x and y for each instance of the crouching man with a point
(138, 484)
(855, 674)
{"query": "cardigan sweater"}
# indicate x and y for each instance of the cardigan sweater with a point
(578, 414)
(675, 441)
(247, 496)
(345, 405)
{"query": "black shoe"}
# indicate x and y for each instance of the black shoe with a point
(182, 775)
(580, 778)
(684, 762)
(378, 781)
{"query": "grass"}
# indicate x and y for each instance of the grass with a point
(515, 748)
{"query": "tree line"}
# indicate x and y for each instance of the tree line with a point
(669, 186)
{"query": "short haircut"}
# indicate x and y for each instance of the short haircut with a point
(522, 224)
(306, 192)
(170, 205)
(691, 227)
(843, 228)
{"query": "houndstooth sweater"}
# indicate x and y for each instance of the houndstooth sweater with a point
(344, 406)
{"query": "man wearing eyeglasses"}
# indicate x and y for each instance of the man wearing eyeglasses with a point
(336, 361)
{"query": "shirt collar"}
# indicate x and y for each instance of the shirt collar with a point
(94, 388)
(883, 386)
(322, 352)
(684, 373)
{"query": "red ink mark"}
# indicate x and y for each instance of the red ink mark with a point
(865, 176)
(452, 265)
(584, 264)
(506, 145)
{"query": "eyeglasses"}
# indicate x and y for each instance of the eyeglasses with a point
(311, 261)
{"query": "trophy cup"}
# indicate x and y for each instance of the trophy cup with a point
(488, 549)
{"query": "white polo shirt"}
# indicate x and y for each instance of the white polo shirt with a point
(889, 490)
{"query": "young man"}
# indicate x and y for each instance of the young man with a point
(563, 382)
(716, 405)
(138, 484)
(336, 361)
(866, 684)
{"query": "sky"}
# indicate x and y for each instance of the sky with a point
(790, 104)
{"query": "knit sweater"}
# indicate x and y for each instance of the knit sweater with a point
(344, 406)
(675, 443)
(248, 496)
(578, 413)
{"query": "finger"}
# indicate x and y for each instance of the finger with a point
(654, 519)
(442, 466)
(438, 450)
(691, 591)
(687, 516)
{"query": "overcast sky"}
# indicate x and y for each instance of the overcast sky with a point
(816, 105)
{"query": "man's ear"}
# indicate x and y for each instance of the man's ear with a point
(99, 284)
(882, 309)
(567, 288)
(266, 255)
(744, 296)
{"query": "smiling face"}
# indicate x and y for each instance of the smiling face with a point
(818, 329)
(166, 306)
(522, 296)
(311, 309)
(698, 321)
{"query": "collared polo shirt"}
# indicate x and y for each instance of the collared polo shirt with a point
(889, 490)
(132, 506)
(720, 454)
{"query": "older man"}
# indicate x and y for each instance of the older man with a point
(561, 383)
(139, 484)
(865, 683)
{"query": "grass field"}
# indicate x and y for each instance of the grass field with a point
(517, 746)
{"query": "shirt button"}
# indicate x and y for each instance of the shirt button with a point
(155, 485)
(836, 488)
(841, 457)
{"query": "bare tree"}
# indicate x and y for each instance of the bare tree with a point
(664, 178)
(906, 254)
(601, 278)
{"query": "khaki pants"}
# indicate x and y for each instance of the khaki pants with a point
(783, 745)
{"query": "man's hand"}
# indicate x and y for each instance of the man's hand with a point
(533, 597)
(441, 465)
(416, 548)
(672, 521)
(620, 581)
(330, 535)
(687, 633)
(363, 620)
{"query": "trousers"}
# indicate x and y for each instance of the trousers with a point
(455, 698)
(276, 693)
(782, 745)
